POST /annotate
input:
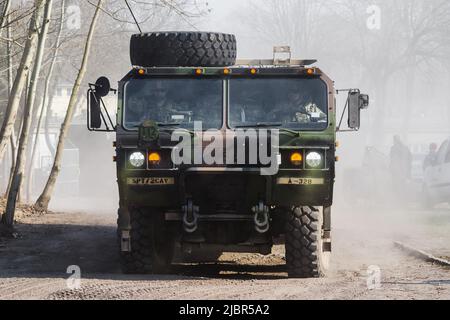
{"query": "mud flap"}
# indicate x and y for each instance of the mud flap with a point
(326, 229)
(125, 241)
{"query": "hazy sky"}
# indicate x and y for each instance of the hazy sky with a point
(223, 19)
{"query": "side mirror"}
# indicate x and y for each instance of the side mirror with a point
(94, 112)
(356, 102)
(95, 116)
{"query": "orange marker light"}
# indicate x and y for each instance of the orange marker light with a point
(296, 158)
(141, 72)
(198, 72)
(154, 158)
(226, 71)
(310, 71)
(253, 71)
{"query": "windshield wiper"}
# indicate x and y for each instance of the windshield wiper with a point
(167, 126)
(260, 125)
(174, 124)
(268, 125)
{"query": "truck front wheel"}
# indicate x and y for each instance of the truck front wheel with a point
(306, 254)
(151, 244)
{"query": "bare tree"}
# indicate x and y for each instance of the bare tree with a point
(44, 198)
(281, 22)
(409, 38)
(19, 169)
(9, 75)
(4, 21)
(4, 11)
(44, 106)
(20, 79)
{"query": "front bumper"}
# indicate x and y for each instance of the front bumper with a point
(222, 188)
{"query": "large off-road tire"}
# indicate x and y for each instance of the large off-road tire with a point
(152, 245)
(306, 255)
(183, 49)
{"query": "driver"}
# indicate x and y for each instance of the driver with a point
(303, 107)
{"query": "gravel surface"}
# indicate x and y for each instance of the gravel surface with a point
(34, 265)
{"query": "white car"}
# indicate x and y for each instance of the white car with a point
(437, 177)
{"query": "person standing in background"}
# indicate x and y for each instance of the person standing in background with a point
(400, 166)
(430, 159)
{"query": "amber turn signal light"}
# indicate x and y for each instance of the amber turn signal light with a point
(296, 158)
(154, 158)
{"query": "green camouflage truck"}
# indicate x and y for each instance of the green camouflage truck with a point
(220, 155)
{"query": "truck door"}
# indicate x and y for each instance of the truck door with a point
(440, 173)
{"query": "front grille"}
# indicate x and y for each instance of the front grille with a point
(224, 193)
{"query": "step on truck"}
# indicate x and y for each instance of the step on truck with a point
(221, 155)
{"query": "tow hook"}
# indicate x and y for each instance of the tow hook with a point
(190, 217)
(261, 217)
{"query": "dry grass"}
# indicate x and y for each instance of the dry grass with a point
(22, 211)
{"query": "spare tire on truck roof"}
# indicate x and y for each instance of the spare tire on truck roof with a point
(183, 49)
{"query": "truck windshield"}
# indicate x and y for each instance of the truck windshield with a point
(173, 101)
(293, 103)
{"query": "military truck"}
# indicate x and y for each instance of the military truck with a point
(187, 97)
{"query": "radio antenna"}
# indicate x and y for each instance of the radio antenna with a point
(131, 11)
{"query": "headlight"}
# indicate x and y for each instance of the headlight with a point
(137, 159)
(313, 159)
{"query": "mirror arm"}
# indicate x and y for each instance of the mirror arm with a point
(109, 117)
(104, 120)
(91, 94)
(342, 116)
(88, 108)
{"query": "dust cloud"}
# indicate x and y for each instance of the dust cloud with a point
(368, 45)
(382, 60)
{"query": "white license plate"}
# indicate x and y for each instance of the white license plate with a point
(150, 181)
(301, 181)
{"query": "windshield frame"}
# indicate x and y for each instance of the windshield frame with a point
(184, 77)
(281, 76)
(225, 91)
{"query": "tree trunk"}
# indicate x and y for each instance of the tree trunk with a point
(4, 21)
(5, 14)
(22, 116)
(12, 139)
(44, 199)
(20, 79)
(48, 114)
(28, 111)
(44, 98)
(13, 143)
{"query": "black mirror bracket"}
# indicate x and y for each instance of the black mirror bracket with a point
(97, 113)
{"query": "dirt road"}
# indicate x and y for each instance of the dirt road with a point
(34, 266)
